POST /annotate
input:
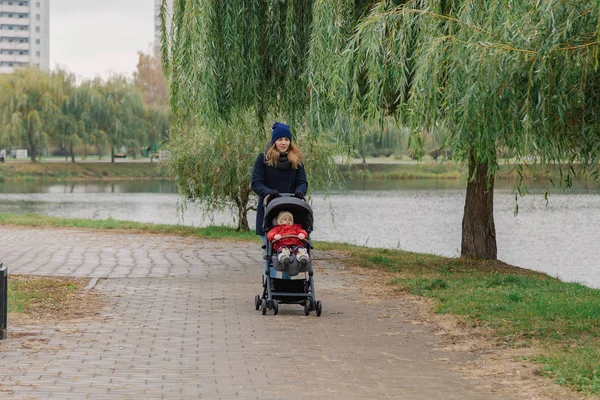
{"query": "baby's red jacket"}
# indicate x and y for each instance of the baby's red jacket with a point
(285, 230)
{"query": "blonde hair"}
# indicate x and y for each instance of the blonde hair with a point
(294, 156)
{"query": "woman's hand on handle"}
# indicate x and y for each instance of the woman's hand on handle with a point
(272, 195)
(301, 236)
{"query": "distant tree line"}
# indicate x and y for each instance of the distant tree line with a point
(50, 113)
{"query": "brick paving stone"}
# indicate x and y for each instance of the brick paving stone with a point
(180, 324)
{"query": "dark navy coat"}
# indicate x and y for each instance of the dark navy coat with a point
(266, 178)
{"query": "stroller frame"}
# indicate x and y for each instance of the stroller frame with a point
(287, 291)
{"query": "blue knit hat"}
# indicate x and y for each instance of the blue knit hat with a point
(280, 130)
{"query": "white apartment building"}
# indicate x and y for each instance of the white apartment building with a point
(157, 30)
(24, 34)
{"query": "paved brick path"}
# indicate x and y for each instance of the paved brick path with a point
(181, 325)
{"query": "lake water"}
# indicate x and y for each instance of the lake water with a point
(559, 238)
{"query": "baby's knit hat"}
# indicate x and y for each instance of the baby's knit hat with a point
(281, 214)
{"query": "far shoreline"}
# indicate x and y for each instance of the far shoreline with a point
(376, 168)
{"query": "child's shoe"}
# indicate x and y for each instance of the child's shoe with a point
(302, 257)
(284, 257)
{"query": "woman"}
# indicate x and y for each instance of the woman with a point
(278, 170)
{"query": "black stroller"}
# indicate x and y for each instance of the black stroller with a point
(293, 283)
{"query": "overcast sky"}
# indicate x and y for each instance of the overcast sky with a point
(94, 37)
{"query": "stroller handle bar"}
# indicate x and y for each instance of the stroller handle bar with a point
(292, 237)
(268, 197)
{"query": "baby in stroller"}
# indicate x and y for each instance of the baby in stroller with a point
(287, 238)
(288, 273)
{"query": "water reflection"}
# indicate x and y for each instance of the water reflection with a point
(365, 184)
(558, 237)
(133, 186)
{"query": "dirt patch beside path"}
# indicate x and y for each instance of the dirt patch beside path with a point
(41, 300)
(496, 360)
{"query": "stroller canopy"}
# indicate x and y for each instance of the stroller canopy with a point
(300, 209)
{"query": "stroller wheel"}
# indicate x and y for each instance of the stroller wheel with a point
(275, 307)
(264, 306)
(257, 301)
(307, 307)
(319, 308)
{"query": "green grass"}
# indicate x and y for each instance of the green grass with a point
(441, 170)
(447, 170)
(211, 232)
(56, 171)
(517, 306)
(39, 295)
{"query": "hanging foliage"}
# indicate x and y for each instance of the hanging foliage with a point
(521, 76)
(235, 67)
(31, 102)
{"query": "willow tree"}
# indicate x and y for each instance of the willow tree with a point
(30, 101)
(79, 107)
(116, 110)
(233, 68)
(157, 128)
(521, 76)
(70, 125)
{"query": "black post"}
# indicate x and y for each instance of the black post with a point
(3, 300)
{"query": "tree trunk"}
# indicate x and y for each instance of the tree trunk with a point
(31, 148)
(241, 202)
(478, 229)
(243, 220)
